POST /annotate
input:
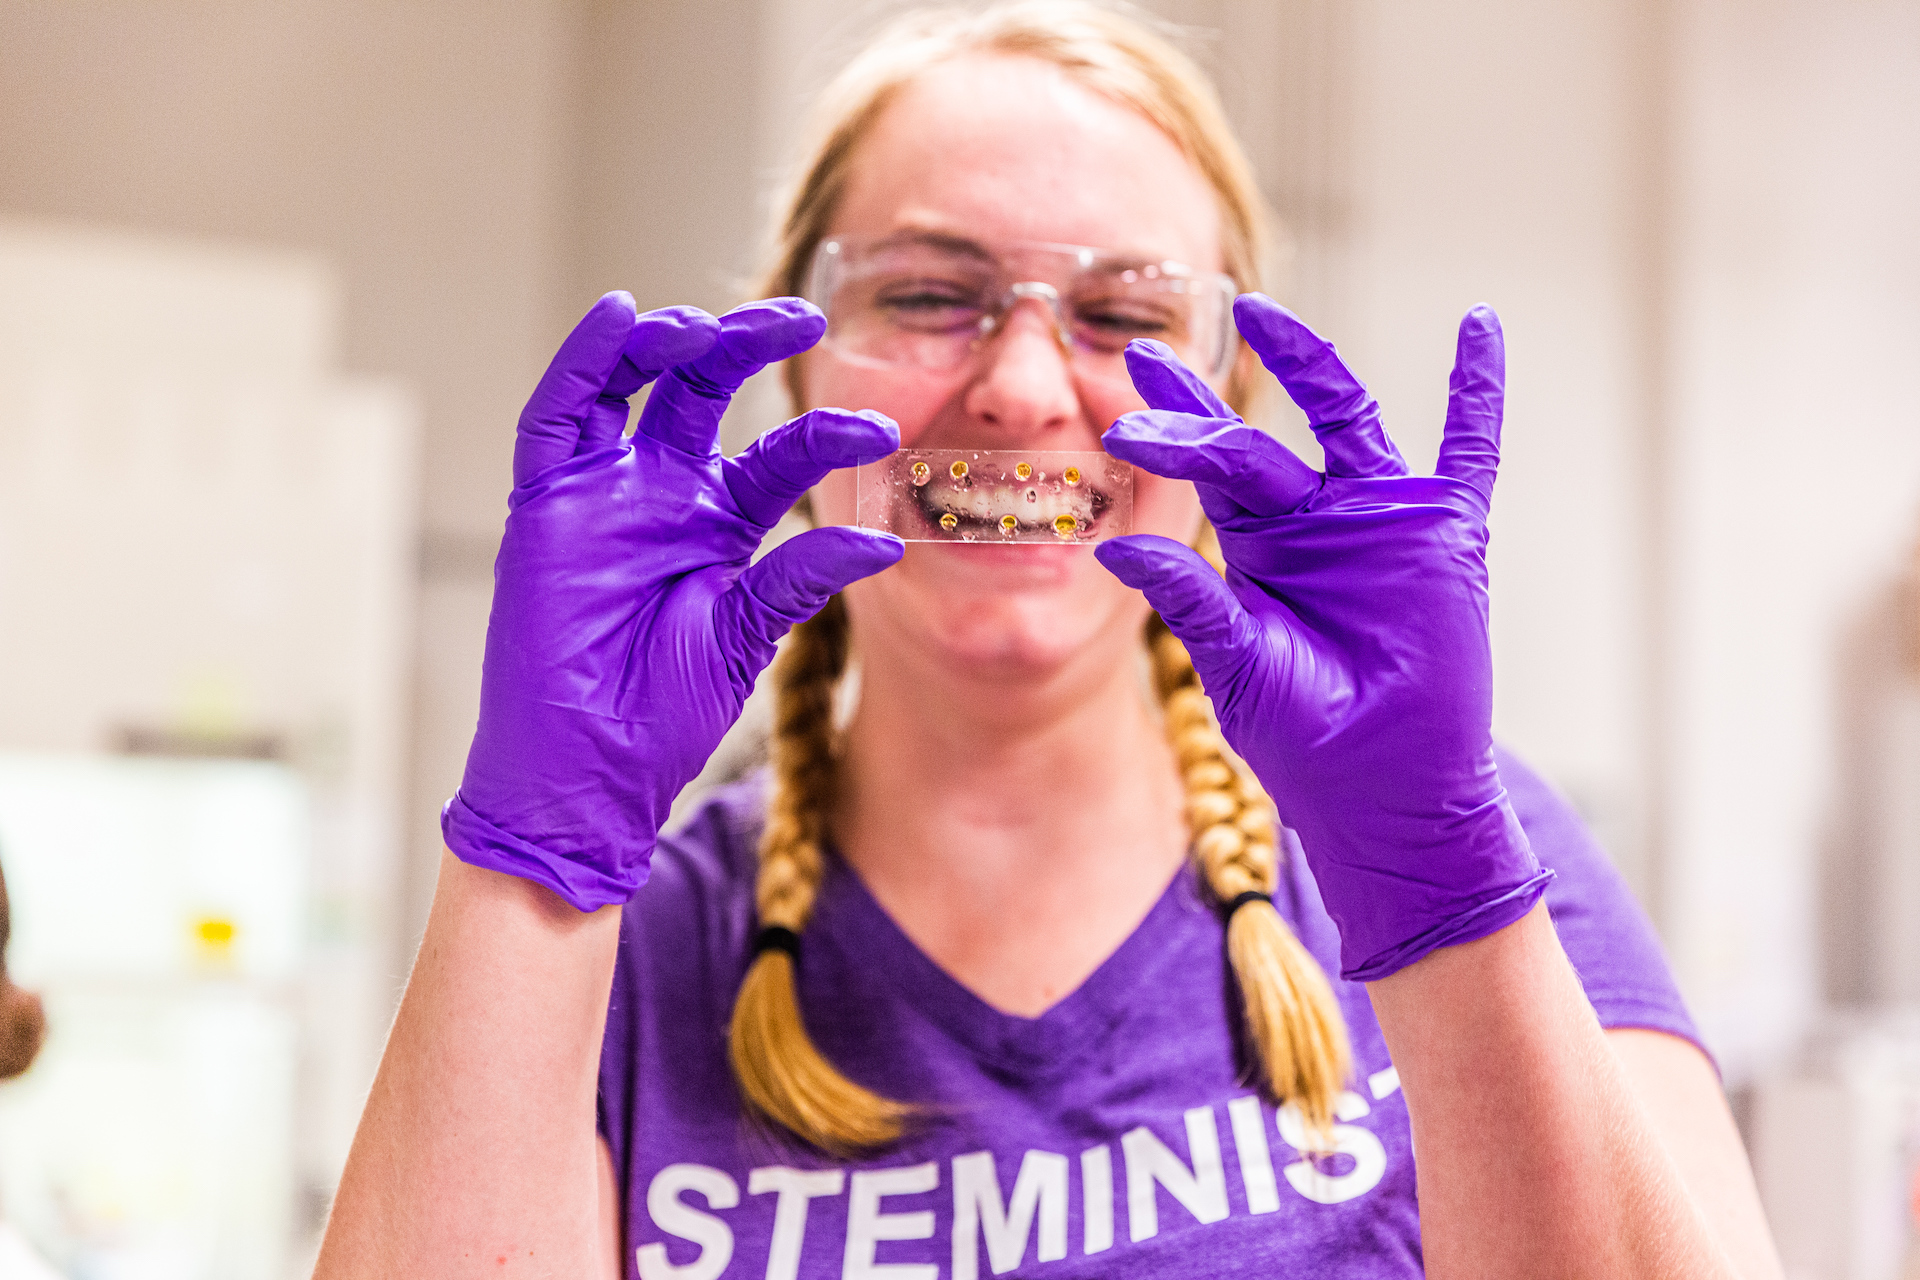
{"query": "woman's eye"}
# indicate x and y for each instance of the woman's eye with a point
(929, 302)
(923, 301)
(1121, 324)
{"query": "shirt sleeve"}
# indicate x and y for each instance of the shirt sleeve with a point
(1606, 934)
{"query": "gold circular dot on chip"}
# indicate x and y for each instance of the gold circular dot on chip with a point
(920, 472)
(1071, 475)
(1023, 471)
(1007, 524)
(949, 522)
(1066, 526)
(958, 470)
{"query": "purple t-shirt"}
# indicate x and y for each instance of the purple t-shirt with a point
(1114, 1135)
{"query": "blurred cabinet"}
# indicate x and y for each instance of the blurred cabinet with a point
(208, 554)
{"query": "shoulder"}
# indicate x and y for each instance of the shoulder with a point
(683, 937)
(1544, 813)
(713, 851)
(1606, 933)
(698, 897)
(1586, 884)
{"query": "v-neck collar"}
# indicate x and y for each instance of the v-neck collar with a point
(855, 923)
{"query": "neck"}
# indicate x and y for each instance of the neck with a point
(1016, 828)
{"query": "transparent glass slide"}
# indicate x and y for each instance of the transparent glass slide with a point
(995, 496)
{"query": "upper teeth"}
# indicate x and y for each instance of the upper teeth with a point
(1028, 503)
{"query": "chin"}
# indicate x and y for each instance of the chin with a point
(1011, 612)
(1018, 645)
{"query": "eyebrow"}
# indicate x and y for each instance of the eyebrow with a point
(1110, 262)
(950, 243)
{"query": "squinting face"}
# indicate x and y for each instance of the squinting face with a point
(998, 149)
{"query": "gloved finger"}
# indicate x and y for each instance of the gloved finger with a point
(793, 581)
(1164, 381)
(1194, 601)
(686, 407)
(1342, 412)
(769, 477)
(1476, 403)
(1231, 462)
(550, 425)
(658, 341)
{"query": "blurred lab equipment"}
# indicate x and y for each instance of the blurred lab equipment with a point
(1836, 1148)
(161, 911)
(1835, 1130)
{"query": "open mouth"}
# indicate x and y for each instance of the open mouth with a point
(996, 496)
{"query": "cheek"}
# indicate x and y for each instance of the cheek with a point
(1169, 508)
(912, 400)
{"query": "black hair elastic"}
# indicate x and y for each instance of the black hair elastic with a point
(1240, 900)
(776, 937)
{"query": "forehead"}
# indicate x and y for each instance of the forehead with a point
(1011, 148)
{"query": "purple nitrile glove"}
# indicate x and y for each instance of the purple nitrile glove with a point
(1347, 651)
(628, 625)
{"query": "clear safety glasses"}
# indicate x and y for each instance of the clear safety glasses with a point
(924, 301)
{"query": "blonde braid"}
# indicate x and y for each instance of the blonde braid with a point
(1293, 1021)
(782, 1074)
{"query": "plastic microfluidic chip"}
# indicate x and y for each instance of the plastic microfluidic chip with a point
(995, 496)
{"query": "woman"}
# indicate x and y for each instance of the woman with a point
(981, 975)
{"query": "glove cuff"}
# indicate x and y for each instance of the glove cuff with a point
(1487, 917)
(477, 842)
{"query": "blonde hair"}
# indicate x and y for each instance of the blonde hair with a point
(1293, 1023)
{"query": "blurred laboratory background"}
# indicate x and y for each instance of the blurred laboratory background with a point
(275, 279)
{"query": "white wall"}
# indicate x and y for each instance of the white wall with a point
(1792, 471)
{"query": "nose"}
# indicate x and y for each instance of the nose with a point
(1024, 389)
